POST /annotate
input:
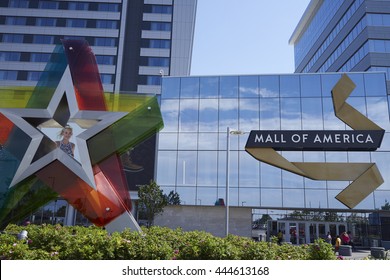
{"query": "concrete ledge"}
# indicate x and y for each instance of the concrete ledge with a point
(378, 252)
(345, 250)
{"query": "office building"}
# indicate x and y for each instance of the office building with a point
(343, 36)
(135, 42)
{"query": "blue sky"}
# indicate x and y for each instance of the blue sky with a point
(245, 37)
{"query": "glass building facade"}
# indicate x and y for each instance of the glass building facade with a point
(197, 111)
(343, 36)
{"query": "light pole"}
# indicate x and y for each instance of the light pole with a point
(228, 132)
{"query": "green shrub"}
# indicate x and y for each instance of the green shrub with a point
(154, 243)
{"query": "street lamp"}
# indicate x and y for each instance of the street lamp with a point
(228, 132)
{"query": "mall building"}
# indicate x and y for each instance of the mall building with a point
(138, 42)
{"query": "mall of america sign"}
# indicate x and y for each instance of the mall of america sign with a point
(364, 136)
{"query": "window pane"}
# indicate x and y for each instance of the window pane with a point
(289, 86)
(170, 114)
(312, 114)
(249, 86)
(208, 115)
(269, 114)
(290, 113)
(249, 114)
(269, 86)
(188, 118)
(310, 85)
(186, 168)
(170, 88)
(166, 171)
(207, 168)
(229, 86)
(209, 87)
(189, 88)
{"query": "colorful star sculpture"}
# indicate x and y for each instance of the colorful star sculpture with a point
(34, 171)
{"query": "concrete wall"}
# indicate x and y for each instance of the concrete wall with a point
(207, 218)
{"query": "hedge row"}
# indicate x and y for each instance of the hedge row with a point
(155, 243)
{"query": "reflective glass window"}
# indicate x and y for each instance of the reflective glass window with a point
(188, 141)
(249, 86)
(186, 168)
(310, 85)
(43, 39)
(271, 177)
(290, 113)
(167, 141)
(206, 196)
(106, 78)
(108, 24)
(382, 161)
(76, 22)
(170, 88)
(249, 114)
(374, 84)
(314, 184)
(358, 80)
(188, 118)
(290, 86)
(187, 195)
(377, 111)
(18, 3)
(166, 171)
(208, 141)
(46, 22)
(269, 86)
(209, 87)
(271, 197)
(108, 7)
(48, 4)
(381, 198)
(249, 197)
(8, 75)
(105, 59)
(331, 122)
(291, 180)
(189, 87)
(328, 81)
(316, 198)
(293, 198)
(208, 115)
(228, 114)
(40, 57)
(15, 21)
(104, 42)
(207, 168)
(13, 38)
(228, 86)
(249, 171)
(269, 114)
(9, 56)
(170, 115)
(78, 6)
(33, 75)
(312, 118)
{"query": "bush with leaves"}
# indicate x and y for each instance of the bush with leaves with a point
(154, 243)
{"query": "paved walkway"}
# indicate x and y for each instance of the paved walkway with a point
(358, 254)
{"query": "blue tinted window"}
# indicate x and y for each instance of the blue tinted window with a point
(170, 88)
(189, 87)
(46, 22)
(12, 38)
(209, 87)
(160, 26)
(78, 6)
(249, 86)
(155, 61)
(8, 75)
(153, 80)
(9, 56)
(108, 24)
(156, 43)
(48, 5)
(228, 86)
(15, 21)
(105, 59)
(290, 86)
(310, 85)
(106, 78)
(105, 42)
(269, 86)
(18, 4)
(33, 75)
(375, 84)
(76, 22)
(108, 7)
(39, 57)
(43, 39)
